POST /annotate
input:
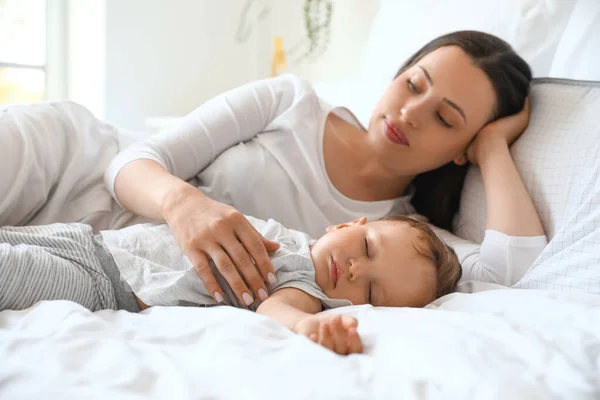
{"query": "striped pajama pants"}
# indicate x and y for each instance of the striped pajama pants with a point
(52, 262)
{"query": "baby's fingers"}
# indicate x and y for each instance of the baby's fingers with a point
(339, 334)
(355, 345)
(349, 322)
(325, 338)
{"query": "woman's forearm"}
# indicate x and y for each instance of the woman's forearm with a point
(509, 206)
(146, 188)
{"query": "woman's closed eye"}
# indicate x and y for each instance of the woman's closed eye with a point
(442, 120)
(412, 86)
(367, 247)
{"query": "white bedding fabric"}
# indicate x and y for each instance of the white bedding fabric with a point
(497, 344)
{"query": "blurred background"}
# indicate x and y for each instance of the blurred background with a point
(136, 63)
(141, 64)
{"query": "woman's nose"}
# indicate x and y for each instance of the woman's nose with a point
(410, 114)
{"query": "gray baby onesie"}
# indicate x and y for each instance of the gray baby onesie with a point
(160, 274)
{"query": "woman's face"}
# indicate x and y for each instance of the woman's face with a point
(430, 113)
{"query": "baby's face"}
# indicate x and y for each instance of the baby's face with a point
(374, 263)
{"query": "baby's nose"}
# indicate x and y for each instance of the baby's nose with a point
(355, 268)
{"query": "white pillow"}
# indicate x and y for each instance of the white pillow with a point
(558, 158)
(401, 27)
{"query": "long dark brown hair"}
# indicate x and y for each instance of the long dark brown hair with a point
(438, 192)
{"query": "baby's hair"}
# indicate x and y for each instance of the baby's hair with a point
(447, 267)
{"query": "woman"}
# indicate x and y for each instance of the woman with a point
(272, 149)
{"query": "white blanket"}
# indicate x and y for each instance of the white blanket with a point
(498, 344)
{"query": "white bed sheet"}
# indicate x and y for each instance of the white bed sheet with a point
(498, 344)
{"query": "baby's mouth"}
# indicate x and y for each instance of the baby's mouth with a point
(334, 271)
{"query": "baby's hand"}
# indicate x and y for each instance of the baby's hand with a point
(336, 332)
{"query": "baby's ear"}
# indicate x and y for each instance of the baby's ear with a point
(332, 228)
(358, 221)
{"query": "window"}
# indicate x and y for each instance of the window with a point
(23, 51)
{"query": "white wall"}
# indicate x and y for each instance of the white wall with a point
(164, 58)
(350, 25)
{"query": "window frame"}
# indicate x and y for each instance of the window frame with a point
(54, 68)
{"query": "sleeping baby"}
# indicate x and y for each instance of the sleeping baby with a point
(392, 262)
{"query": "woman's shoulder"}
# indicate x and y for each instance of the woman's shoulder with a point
(294, 80)
(295, 85)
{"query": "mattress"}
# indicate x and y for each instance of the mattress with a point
(493, 344)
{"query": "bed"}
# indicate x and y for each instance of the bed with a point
(537, 340)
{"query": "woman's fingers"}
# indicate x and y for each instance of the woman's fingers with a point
(254, 245)
(246, 267)
(203, 269)
(229, 271)
(270, 246)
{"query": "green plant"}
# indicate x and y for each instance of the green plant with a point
(317, 21)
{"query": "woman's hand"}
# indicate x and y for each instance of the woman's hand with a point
(335, 332)
(503, 131)
(208, 230)
(509, 208)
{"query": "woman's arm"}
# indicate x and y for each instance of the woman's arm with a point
(203, 228)
(149, 177)
(188, 148)
(154, 199)
(509, 206)
(296, 310)
(501, 258)
(514, 235)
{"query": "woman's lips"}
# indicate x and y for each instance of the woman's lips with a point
(394, 134)
(334, 271)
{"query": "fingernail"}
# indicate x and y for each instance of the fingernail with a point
(218, 297)
(247, 298)
(262, 294)
(271, 278)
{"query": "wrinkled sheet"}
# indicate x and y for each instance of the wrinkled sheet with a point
(495, 344)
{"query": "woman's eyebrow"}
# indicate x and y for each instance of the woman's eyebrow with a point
(427, 75)
(447, 100)
(456, 107)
